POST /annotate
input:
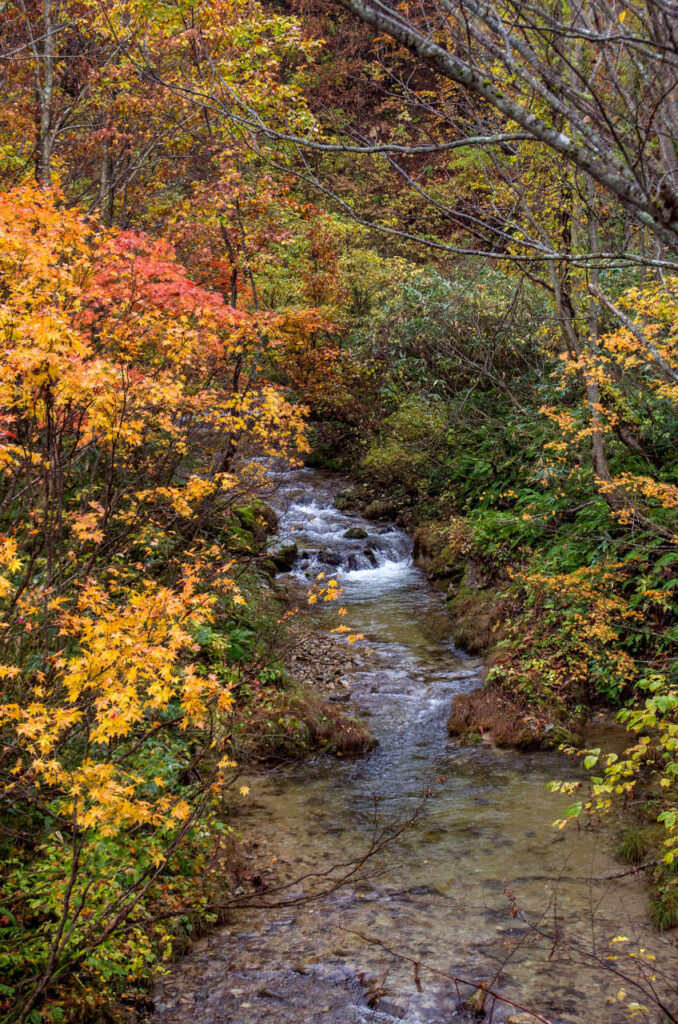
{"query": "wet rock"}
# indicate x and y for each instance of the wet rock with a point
(424, 890)
(344, 499)
(285, 557)
(554, 734)
(475, 1003)
(363, 1015)
(269, 518)
(394, 1007)
(355, 533)
(370, 555)
(268, 993)
(329, 558)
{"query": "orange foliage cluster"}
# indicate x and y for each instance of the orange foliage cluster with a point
(124, 450)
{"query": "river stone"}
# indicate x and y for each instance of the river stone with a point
(363, 1015)
(393, 1008)
(475, 1004)
(285, 557)
(329, 558)
(355, 533)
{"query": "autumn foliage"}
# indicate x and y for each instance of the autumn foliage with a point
(123, 449)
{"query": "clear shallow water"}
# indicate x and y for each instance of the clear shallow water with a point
(484, 843)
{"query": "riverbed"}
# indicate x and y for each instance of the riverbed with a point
(480, 887)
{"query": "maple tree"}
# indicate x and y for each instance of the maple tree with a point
(445, 236)
(122, 439)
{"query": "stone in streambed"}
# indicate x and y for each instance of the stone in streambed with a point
(285, 557)
(475, 1003)
(329, 558)
(355, 533)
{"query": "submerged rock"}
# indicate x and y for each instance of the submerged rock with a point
(475, 1003)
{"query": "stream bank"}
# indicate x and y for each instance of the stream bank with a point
(478, 887)
(483, 606)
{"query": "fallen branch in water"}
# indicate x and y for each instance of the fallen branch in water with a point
(631, 871)
(419, 965)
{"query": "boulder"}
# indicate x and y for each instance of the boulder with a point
(370, 555)
(285, 557)
(355, 533)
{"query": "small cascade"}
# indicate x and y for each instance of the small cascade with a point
(346, 546)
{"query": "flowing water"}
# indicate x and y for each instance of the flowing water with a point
(477, 887)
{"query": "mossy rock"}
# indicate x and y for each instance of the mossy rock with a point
(379, 509)
(344, 500)
(558, 735)
(285, 557)
(475, 614)
(298, 722)
(246, 517)
(442, 550)
(488, 711)
(268, 517)
(355, 533)
(241, 540)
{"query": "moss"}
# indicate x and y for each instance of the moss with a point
(285, 557)
(636, 845)
(349, 498)
(476, 614)
(322, 456)
(559, 735)
(289, 724)
(510, 722)
(246, 517)
(664, 909)
(380, 509)
(643, 845)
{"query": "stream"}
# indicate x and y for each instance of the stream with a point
(476, 887)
